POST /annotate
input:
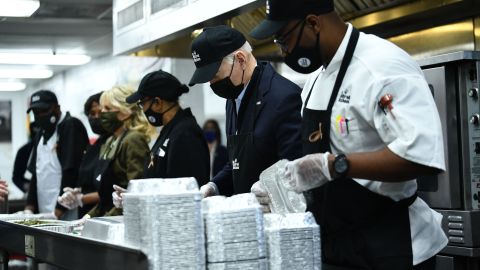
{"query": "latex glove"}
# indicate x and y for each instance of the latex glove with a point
(80, 222)
(308, 172)
(24, 212)
(209, 189)
(71, 198)
(117, 197)
(262, 196)
(3, 190)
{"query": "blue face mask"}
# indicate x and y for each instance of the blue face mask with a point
(210, 135)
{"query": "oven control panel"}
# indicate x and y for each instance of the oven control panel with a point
(470, 72)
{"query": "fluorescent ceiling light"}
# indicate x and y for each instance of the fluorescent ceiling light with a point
(12, 86)
(18, 8)
(44, 59)
(25, 73)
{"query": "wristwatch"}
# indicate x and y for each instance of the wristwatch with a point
(340, 166)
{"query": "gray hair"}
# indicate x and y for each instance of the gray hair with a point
(245, 48)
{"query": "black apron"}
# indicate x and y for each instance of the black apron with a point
(359, 228)
(241, 147)
(106, 178)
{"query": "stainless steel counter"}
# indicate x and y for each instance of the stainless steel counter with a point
(67, 251)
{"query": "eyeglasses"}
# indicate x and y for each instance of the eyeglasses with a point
(281, 41)
(141, 103)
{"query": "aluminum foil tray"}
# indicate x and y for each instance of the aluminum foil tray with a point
(108, 229)
(282, 199)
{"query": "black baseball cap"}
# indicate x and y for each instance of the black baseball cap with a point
(209, 49)
(42, 99)
(158, 84)
(279, 12)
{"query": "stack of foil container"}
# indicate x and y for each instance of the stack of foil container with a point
(293, 241)
(163, 218)
(235, 233)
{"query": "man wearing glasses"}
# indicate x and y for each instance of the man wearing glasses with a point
(262, 108)
(368, 104)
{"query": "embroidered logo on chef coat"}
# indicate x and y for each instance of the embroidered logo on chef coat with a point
(236, 164)
(345, 96)
(196, 56)
(341, 125)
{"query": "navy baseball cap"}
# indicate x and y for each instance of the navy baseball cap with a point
(42, 99)
(209, 49)
(158, 84)
(279, 12)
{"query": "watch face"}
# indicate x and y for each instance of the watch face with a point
(341, 166)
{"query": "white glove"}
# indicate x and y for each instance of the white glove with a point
(24, 212)
(308, 172)
(117, 197)
(71, 198)
(209, 189)
(80, 222)
(262, 196)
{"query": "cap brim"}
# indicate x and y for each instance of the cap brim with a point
(267, 28)
(39, 105)
(134, 98)
(205, 73)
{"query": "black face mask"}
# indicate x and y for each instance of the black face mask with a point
(96, 126)
(304, 59)
(155, 118)
(47, 122)
(224, 88)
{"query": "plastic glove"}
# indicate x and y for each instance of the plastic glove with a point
(117, 197)
(209, 189)
(71, 198)
(262, 196)
(3, 190)
(308, 172)
(80, 222)
(24, 212)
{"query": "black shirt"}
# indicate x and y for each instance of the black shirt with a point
(180, 151)
(86, 171)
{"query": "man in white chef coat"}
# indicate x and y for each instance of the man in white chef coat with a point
(370, 128)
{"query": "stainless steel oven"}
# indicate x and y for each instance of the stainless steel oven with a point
(454, 81)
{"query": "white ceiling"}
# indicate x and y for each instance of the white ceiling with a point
(60, 26)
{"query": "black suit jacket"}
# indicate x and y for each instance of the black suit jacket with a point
(277, 127)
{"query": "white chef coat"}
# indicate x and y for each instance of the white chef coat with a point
(411, 129)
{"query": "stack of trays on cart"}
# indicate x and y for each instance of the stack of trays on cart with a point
(163, 218)
(235, 233)
(293, 241)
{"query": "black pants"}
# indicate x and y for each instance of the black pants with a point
(426, 265)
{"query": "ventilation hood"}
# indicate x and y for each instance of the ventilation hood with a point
(422, 27)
